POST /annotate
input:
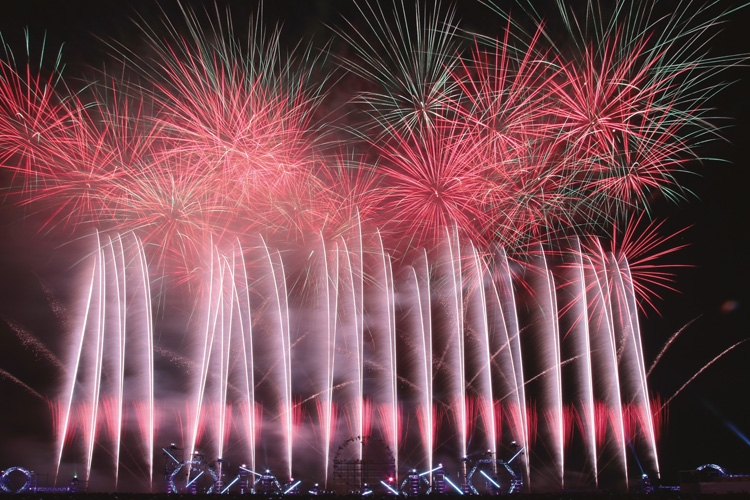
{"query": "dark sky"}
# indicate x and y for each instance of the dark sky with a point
(707, 421)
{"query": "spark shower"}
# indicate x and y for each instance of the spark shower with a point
(417, 233)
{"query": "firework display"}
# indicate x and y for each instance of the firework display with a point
(420, 244)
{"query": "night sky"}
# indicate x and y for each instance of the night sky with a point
(708, 422)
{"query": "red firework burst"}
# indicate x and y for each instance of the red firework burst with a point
(348, 196)
(514, 141)
(434, 182)
(638, 251)
(34, 112)
(236, 118)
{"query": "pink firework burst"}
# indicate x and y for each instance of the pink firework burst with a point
(86, 175)
(348, 195)
(35, 111)
(644, 248)
(504, 93)
(433, 183)
(233, 117)
(638, 250)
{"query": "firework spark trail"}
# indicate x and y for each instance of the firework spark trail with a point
(429, 371)
(501, 110)
(706, 366)
(8, 376)
(31, 342)
(122, 168)
(346, 196)
(359, 310)
(56, 305)
(667, 344)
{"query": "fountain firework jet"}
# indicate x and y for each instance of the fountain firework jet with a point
(462, 306)
(284, 347)
(329, 344)
(457, 345)
(443, 263)
(115, 338)
(581, 336)
(423, 359)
